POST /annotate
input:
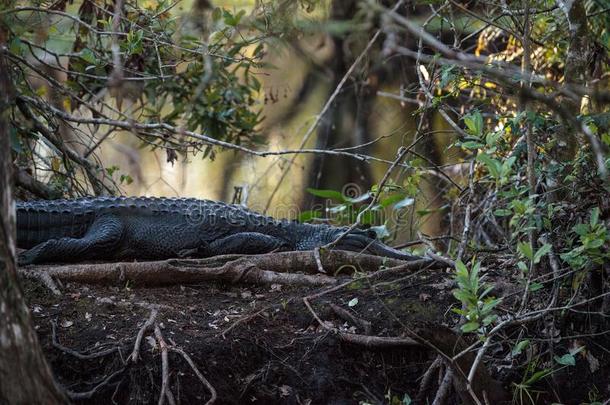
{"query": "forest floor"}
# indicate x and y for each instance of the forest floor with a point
(260, 344)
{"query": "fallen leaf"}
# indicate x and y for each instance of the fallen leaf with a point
(285, 390)
(66, 323)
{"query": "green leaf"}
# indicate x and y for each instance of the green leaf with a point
(459, 311)
(393, 199)
(487, 291)
(330, 194)
(526, 250)
(537, 376)
(581, 229)
(447, 74)
(536, 286)
(110, 170)
(519, 347)
(493, 166)
(216, 14)
(474, 123)
(461, 295)
(405, 202)
(307, 216)
(594, 244)
(566, 360)
(489, 305)
(508, 164)
(492, 137)
(359, 199)
(125, 178)
(594, 216)
(488, 320)
(474, 274)
(461, 267)
(369, 217)
(502, 212)
(233, 20)
(353, 302)
(546, 248)
(470, 327)
(88, 56)
(338, 209)
(16, 46)
(472, 145)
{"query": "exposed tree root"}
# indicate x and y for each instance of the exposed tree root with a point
(75, 353)
(166, 393)
(204, 380)
(135, 354)
(246, 318)
(44, 277)
(427, 380)
(349, 317)
(319, 268)
(367, 341)
(445, 388)
(271, 268)
(448, 343)
(79, 396)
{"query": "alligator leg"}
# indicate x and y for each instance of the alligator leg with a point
(245, 243)
(101, 240)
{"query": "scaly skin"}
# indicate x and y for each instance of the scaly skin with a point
(141, 228)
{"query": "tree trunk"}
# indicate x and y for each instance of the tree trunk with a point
(346, 123)
(576, 69)
(25, 377)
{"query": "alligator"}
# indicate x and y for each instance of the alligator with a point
(156, 228)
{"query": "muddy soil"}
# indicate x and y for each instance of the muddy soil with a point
(255, 345)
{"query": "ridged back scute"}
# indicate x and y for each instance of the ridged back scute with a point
(42, 220)
(38, 221)
(215, 213)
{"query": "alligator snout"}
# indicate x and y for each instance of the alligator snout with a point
(366, 241)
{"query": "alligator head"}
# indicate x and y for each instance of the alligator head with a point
(361, 240)
(358, 240)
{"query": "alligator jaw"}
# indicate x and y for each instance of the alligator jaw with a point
(380, 249)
